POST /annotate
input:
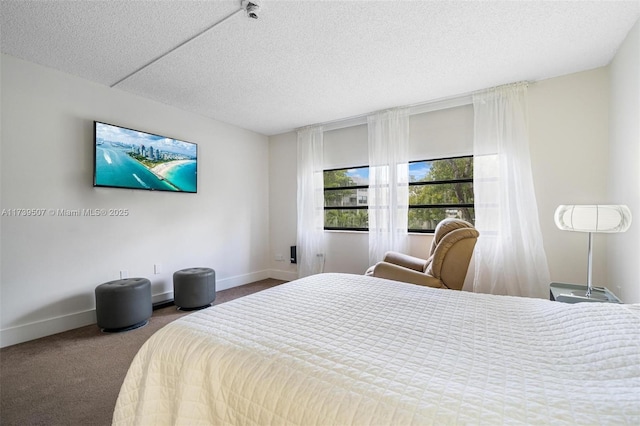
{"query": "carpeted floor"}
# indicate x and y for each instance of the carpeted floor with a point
(73, 378)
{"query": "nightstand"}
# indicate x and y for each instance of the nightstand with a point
(574, 293)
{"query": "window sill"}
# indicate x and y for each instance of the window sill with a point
(347, 231)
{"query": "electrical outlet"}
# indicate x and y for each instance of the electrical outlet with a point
(124, 274)
(279, 257)
(157, 269)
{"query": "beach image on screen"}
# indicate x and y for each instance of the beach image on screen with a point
(128, 158)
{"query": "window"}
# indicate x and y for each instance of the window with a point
(438, 189)
(345, 199)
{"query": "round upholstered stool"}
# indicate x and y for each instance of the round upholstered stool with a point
(123, 304)
(194, 288)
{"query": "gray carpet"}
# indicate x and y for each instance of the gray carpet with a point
(73, 378)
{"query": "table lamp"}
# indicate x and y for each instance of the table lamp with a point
(592, 218)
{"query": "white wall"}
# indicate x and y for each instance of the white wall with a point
(282, 204)
(568, 131)
(569, 150)
(624, 160)
(51, 265)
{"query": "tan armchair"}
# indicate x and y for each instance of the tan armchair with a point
(448, 261)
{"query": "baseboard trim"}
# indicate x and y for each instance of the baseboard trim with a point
(35, 330)
(283, 275)
(239, 280)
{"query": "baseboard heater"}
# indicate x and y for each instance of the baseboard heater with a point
(163, 304)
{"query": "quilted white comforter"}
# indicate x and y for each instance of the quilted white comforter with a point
(338, 349)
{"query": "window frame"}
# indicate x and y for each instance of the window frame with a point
(439, 182)
(415, 206)
(343, 188)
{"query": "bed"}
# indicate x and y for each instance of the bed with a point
(340, 349)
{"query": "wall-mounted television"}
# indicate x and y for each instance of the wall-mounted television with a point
(127, 158)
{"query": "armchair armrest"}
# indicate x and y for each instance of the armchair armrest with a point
(405, 260)
(399, 273)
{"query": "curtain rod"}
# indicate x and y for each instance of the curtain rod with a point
(435, 105)
(438, 104)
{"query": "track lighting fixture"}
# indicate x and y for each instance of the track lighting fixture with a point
(251, 7)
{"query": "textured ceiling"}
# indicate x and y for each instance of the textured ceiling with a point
(306, 62)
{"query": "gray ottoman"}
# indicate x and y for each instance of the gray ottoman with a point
(194, 288)
(123, 304)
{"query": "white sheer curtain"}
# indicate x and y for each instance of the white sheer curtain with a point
(310, 239)
(509, 255)
(388, 134)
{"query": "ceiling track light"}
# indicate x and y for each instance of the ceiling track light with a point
(251, 8)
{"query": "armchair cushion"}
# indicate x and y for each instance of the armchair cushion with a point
(405, 260)
(444, 228)
(444, 250)
(399, 273)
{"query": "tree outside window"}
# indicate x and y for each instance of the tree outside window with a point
(345, 199)
(440, 189)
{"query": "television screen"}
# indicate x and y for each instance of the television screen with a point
(126, 158)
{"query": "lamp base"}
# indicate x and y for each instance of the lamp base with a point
(597, 295)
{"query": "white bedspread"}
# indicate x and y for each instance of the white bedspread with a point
(338, 349)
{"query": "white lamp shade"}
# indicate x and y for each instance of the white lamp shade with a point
(593, 218)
